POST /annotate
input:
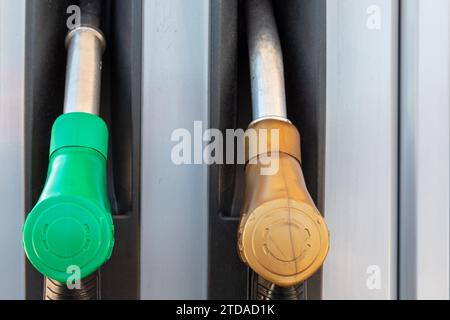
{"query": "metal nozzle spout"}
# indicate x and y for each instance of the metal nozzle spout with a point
(266, 62)
(85, 47)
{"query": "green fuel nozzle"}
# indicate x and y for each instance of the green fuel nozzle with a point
(71, 224)
(71, 227)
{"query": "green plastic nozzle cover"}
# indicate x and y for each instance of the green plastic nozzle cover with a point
(71, 225)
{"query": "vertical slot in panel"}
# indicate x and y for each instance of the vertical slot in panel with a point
(302, 29)
(46, 56)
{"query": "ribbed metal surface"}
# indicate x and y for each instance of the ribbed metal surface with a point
(265, 290)
(54, 290)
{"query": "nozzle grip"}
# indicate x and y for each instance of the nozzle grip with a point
(282, 236)
(70, 232)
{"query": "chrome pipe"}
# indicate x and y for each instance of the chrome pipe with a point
(266, 62)
(85, 47)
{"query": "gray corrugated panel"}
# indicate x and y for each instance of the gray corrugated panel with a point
(361, 149)
(424, 183)
(12, 61)
(174, 198)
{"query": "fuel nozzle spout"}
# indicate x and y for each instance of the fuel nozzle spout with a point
(85, 46)
(282, 236)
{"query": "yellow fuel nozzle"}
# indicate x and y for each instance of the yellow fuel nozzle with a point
(282, 236)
